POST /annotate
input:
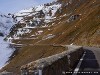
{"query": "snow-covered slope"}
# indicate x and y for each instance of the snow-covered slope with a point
(6, 22)
(38, 16)
(45, 12)
(5, 52)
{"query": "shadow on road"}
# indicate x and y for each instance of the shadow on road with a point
(89, 65)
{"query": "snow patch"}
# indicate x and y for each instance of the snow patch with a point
(49, 36)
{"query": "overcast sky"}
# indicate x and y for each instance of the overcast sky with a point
(13, 6)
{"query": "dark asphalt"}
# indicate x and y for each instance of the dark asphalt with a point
(91, 62)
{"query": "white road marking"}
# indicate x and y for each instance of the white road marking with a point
(78, 66)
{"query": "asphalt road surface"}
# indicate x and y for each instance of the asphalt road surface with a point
(90, 63)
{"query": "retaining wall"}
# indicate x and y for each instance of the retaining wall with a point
(54, 65)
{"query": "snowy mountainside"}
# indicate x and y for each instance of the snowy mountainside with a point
(6, 22)
(5, 52)
(40, 12)
(38, 16)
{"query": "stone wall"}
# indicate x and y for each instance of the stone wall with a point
(56, 64)
(6, 73)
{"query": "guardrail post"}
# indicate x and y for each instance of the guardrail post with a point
(40, 72)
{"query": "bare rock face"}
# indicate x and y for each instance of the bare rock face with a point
(1, 34)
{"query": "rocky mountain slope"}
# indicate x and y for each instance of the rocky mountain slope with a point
(6, 22)
(41, 30)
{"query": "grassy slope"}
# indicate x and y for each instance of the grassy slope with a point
(30, 53)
